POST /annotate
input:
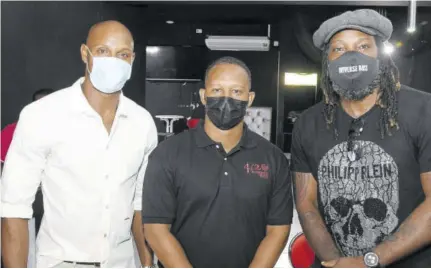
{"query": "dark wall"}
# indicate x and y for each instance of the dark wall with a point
(413, 59)
(292, 60)
(40, 48)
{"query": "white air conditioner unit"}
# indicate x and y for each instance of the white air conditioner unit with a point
(238, 43)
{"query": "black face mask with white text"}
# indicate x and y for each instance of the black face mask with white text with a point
(354, 75)
(225, 112)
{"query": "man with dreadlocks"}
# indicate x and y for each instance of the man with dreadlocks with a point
(362, 157)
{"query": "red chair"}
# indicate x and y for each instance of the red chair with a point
(301, 255)
(192, 123)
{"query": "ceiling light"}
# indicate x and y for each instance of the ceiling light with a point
(388, 48)
(300, 79)
(170, 22)
(152, 50)
(411, 20)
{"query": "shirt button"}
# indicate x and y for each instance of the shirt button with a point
(217, 146)
(106, 206)
(106, 176)
(225, 173)
(225, 159)
(105, 235)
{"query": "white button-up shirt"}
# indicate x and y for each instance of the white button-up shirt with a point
(91, 179)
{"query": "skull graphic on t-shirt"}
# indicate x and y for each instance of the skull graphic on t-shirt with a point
(359, 198)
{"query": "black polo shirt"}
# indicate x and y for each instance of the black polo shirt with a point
(218, 204)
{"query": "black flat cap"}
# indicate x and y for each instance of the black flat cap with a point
(364, 20)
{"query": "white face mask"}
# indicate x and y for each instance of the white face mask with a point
(109, 74)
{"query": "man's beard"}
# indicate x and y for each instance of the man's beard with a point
(355, 94)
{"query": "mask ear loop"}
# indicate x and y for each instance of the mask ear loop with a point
(88, 50)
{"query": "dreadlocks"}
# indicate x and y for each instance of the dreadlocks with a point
(388, 86)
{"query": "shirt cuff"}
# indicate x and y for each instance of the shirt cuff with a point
(300, 169)
(16, 211)
(425, 168)
(137, 205)
(284, 221)
(155, 220)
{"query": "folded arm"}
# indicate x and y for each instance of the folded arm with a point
(413, 234)
(311, 221)
(279, 217)
(166, 246)
(145, 253)
(305, 190)
(271, 246)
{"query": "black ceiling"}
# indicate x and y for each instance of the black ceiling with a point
(381, 3)
(214, 13)
(256, 12)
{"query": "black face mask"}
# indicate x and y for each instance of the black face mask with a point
(354, 75)
(225, 112)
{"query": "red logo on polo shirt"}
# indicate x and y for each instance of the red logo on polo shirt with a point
(262, 170)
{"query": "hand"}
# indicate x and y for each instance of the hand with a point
(346, 262)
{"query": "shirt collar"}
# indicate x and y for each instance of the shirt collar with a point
(81, 105)
(203, 140)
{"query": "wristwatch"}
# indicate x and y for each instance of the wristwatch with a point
(371, 260)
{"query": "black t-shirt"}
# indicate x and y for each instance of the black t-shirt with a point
(218, 204)
(364, 200)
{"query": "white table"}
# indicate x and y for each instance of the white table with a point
(169, 119)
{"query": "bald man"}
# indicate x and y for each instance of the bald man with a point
(87, 145)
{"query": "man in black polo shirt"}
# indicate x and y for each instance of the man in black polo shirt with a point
(218, 195)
